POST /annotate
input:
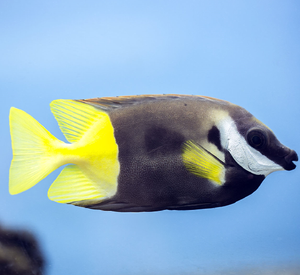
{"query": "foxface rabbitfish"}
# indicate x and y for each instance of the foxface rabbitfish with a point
(146, 153)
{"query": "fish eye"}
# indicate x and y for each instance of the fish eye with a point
(256, 138)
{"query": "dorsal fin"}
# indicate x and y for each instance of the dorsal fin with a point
(109, 103)
(74, 118)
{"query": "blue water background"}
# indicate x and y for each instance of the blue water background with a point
(246, 52)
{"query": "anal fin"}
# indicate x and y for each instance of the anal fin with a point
(75, 187)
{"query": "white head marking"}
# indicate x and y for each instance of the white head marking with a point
(246, 156)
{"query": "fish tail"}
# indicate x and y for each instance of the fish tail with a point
(93, 174)
(34, 154)
(92, 154)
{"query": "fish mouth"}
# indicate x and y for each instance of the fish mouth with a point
(289, 158)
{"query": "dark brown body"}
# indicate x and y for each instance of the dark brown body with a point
(150, 132)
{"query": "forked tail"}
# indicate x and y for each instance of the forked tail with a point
(93, 153)
(33, 154)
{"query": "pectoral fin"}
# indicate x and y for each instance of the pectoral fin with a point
(202, 163)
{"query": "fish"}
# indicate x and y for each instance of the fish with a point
(146, 153)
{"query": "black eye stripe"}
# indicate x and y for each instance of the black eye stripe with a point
(214, 137)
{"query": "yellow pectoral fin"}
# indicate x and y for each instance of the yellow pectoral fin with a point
(73, 186)
(203, 164)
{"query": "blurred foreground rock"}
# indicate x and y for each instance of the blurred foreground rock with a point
(20, 253)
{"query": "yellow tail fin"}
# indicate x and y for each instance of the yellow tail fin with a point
(93, 151)
(33, 157)
(95, 154)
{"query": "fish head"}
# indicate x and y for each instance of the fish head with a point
(265, 142)
(254, 146)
